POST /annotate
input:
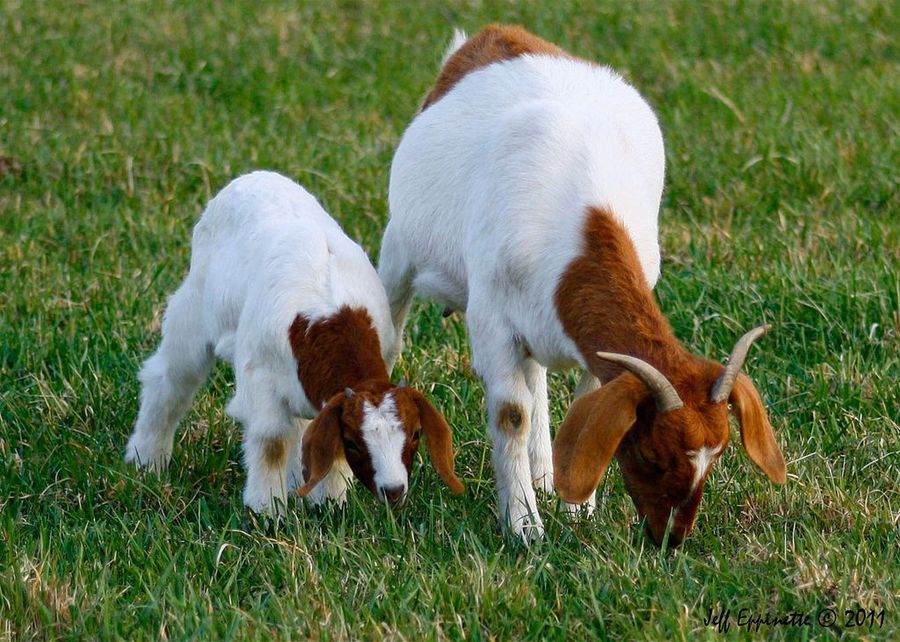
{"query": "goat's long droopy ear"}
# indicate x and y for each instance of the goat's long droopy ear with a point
(321, 444)
(438, 440)
(756, 431)
(590, 435)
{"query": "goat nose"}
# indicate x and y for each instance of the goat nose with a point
(393, 494)
(674, 540)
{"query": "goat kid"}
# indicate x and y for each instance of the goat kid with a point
(278, 290)
(526, 192)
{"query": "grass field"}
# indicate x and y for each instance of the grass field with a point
(119, 121)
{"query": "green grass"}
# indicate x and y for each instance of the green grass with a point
(781, 204)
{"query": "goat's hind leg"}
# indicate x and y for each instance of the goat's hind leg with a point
(396, 274)
(169, 380)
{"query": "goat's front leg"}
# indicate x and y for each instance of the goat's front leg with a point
(332, 488)
(540, 454)
(270, 441)
(588, 383)
(294, 474)
(509, 405)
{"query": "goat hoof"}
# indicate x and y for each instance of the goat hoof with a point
(585, 509)
(528, 528)
(154, 462)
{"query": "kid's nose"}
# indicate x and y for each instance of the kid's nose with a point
(393, 494)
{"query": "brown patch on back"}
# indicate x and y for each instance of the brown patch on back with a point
(338, 352)
(511, 419)
(275, 452)
(492, 44)
(604, 287)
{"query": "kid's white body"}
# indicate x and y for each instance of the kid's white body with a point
(263, 252)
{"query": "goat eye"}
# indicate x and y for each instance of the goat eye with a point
(351, 448)
(646, 459)
(417, 435)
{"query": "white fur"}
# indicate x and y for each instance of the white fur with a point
(385, 437)
(701, 460)
(263, 252)
(488, 192)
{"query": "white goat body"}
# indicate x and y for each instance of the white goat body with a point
(263, 253)
(489, 193)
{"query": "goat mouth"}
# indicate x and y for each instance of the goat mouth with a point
(394, 499)
(670, 539)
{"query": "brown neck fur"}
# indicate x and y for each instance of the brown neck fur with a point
(492, 44)
(337, 352)
(605, 304)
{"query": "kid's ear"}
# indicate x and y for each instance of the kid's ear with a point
(321, 444)
(438, 440)
(756, 431)
(590, 435)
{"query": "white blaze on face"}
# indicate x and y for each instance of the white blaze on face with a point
(701, 460)
(384, 436)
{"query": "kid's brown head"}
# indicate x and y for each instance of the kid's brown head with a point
(377, 427)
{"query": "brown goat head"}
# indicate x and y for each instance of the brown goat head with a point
(665, 434)
(376, 427)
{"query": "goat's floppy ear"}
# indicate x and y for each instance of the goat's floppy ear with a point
(756, 431)
(321, 444)
(438, 440)
(590, 434)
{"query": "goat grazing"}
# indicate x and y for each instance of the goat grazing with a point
(526, 193)
(278, 290)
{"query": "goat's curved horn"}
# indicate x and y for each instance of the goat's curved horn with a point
(664, 393)
(723, 385)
